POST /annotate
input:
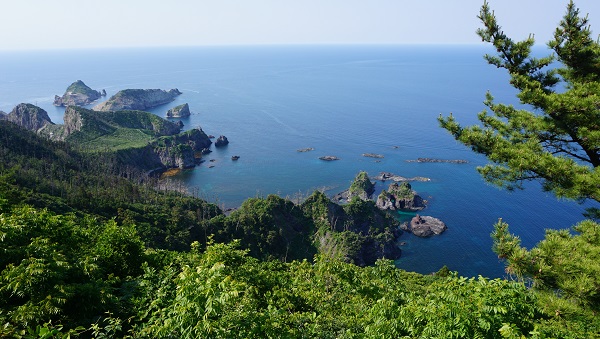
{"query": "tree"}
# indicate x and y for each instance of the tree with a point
(558, 142)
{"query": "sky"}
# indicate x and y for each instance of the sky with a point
(69, 24)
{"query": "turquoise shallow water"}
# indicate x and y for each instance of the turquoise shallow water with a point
(340, 100)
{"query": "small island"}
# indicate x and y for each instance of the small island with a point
(78, 94)
(433, 160)
(373, 155)
(329, 158)
(303, 150)
(180, 111)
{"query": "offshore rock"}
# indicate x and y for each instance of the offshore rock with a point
(433, 160)
(400, 197)
(78, 94)
(425, 226)
(180, 111)
(384, 176)
(29, 117)
(221, 141)
(137, 99)
(329, 158)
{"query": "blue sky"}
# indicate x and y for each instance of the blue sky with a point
(57, 24)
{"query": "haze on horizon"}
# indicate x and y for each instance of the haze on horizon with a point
(73, 24)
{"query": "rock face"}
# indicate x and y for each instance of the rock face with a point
(425, 226)
(221, 141)
(180, 111)
(400, 197)
(29, 116)
(78, 94)
(137, 99)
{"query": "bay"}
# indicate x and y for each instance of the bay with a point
(340, 100)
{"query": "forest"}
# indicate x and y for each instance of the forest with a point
(91, 248)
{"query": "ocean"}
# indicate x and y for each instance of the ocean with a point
(343, 101)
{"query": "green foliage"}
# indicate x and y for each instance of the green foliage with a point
(403, 190)
(558, 143)
(62, 269)
(362, 185)
(565, 271)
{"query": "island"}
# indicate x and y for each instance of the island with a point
(137, 99)
(221, 141)
(329, 158)
(180, 111)
(78, 94)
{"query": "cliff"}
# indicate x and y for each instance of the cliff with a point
(28, 116)
(79, 94)
(137, 99)
(180, 111)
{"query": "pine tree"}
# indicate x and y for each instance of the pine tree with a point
(557, 142)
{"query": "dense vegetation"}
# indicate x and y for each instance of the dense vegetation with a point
(91, 248)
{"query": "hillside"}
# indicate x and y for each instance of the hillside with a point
(85, 253)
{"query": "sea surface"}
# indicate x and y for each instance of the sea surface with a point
(340, 100)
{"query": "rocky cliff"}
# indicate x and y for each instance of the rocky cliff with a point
(79, 94)
(180, 111)
(137, 99)
(400, 197)
(28, 116)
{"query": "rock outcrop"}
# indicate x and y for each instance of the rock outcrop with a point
(180, 111)
(329, 158)
(361, 187)
(434, 160)
(400, 197)
(425, 226)
(29, 117)
(384, 176)
(137, 99)
(79, 94)
(221, 141)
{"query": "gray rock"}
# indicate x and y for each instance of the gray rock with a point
(221, 141)
(425, 226)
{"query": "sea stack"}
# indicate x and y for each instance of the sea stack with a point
(180, 111)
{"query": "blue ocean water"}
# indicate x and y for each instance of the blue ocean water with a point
(341, 100)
